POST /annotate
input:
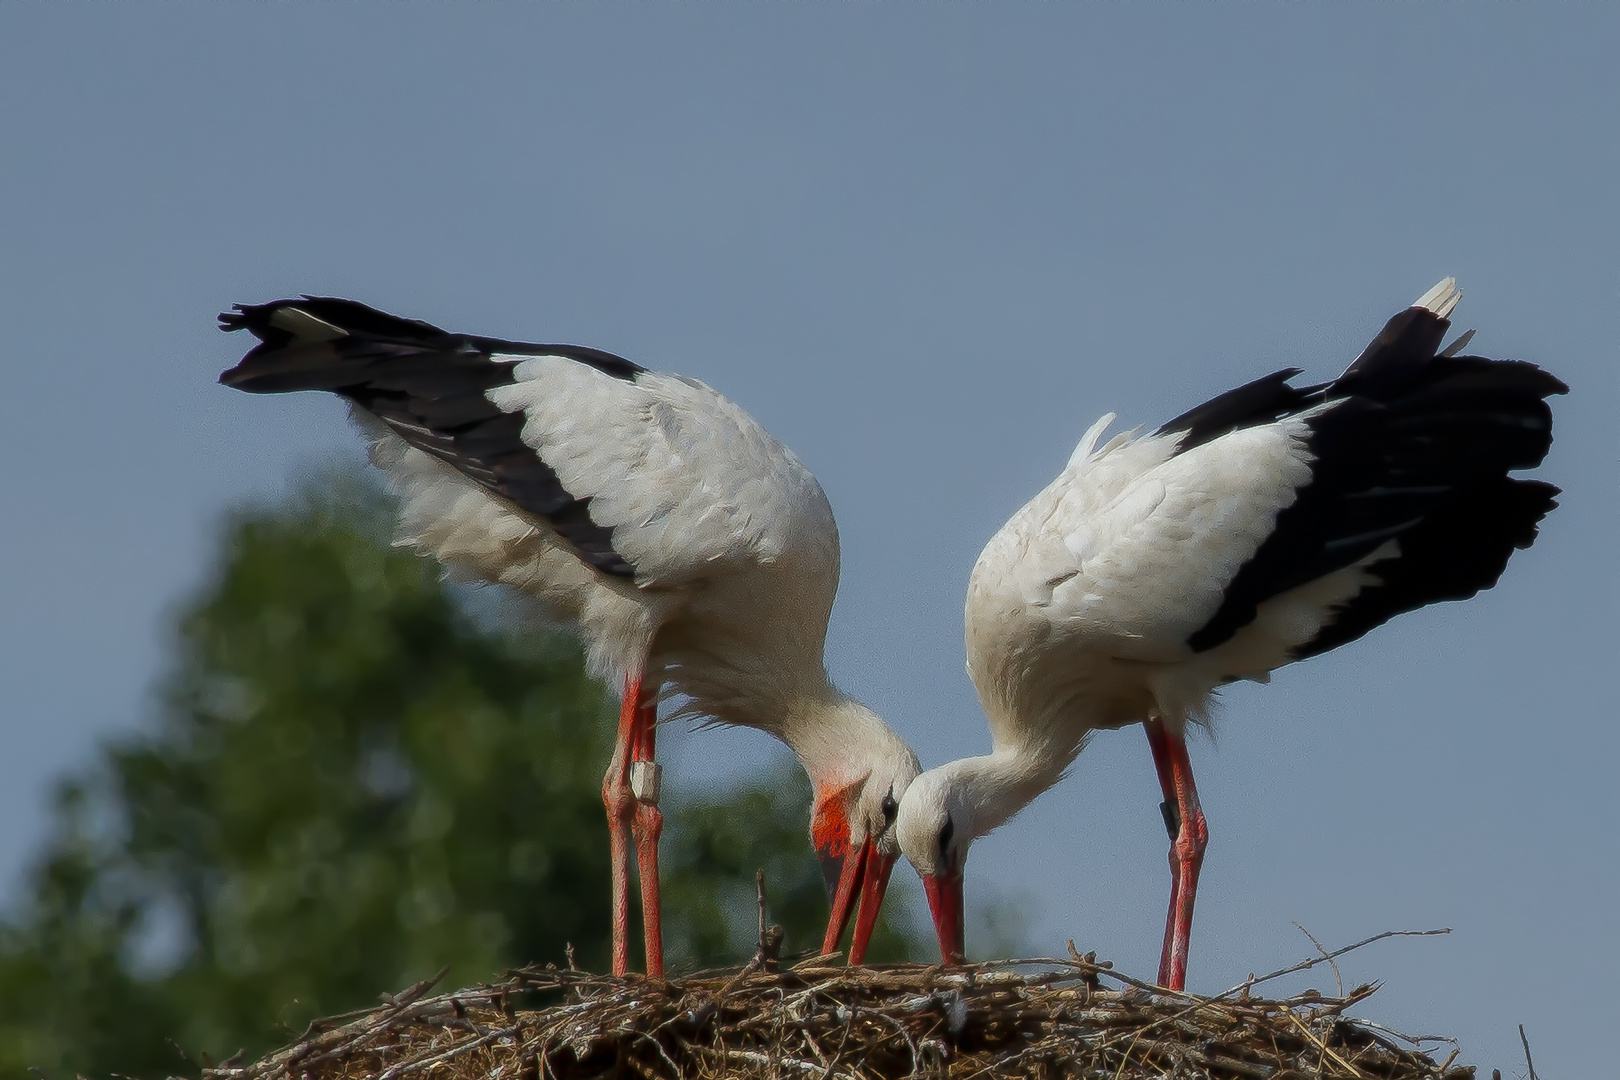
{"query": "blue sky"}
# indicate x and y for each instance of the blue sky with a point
(926, 245)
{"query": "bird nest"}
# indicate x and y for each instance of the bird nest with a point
(1070, 1017)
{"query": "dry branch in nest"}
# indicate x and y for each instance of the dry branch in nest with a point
(816, 1021)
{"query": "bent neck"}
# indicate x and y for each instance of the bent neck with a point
(838, 740)
(997, 785)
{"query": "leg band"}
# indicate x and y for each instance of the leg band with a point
(1171, 812)
(646, 778)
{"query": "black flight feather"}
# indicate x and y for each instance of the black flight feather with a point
(1265, 399)
(1412, 447)
(429, 387)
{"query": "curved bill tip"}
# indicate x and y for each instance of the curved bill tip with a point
(945, 902)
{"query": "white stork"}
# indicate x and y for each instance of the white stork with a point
(1267, 525)
(693, 553)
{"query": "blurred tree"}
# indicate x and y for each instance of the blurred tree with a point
(352, 780)
(710, 858)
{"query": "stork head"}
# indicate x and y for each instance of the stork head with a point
(852, 829)
(935, 826)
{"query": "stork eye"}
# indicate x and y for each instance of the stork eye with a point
(946, 831)
(889, 807)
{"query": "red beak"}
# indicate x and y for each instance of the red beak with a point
(945, 901)
(878, 868)
(851, 871)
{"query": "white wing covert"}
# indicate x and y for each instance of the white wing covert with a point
(684, 478)
(1145, 562)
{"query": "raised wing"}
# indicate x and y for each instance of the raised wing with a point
(642, 474)
(1339, 505)
(1411, 450)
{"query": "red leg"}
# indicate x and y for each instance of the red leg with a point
(620, 804)
(1186, 853)
(649, 826)
(1159, 743)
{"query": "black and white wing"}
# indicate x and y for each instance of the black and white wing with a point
(1411, 455)
(1276, 522)
(647, 477)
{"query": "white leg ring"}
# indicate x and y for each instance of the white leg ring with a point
(645, 780)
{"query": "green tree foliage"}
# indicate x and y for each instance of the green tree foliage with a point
(352, 780)
(716, 847)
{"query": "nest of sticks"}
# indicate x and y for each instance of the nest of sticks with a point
(1072, 1017)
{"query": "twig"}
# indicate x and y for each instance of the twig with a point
(1527, 1062)
(430, 1058)
(1103, 967)
(1337, 979)
(1415, 1040)
(810, 1024)
(1088, 967)
(674, 1070)
(754, 1057)
(1319, 1044)
(1126, 1059)
(911, 1044)
(414, 992)
(180, 1050)
(820, 960)
(759, 886)
(1313, 961)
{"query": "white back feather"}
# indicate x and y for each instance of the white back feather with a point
(683, 477)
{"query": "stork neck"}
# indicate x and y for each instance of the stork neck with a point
(838, 739)
(997, 785)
